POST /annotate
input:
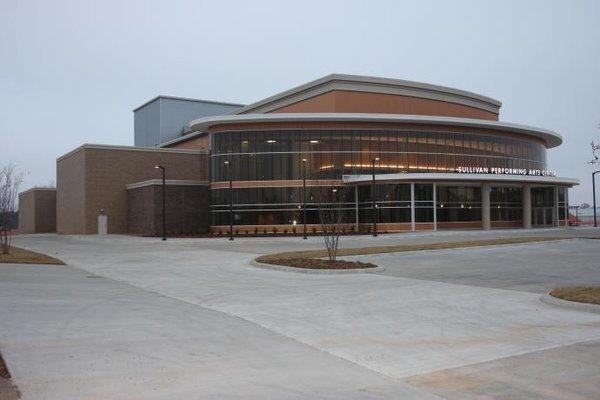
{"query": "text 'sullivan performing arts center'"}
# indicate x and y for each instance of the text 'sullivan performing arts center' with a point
(412, 156)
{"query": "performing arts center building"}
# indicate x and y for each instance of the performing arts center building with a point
(407, 155)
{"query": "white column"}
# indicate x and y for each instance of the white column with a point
(434, 207)
(527, 207)
(485, 206)
(412, 207)
(555, 208)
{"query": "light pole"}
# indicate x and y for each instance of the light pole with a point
(229, 175)
(304, 196)
(164, 218)
(373, 198)
(594, 195)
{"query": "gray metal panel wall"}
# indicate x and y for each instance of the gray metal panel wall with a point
(140, 127)
(164, 119)
(146, 127)
(175, 114)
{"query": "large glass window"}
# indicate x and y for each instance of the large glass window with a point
(458, 203)
(506, 204)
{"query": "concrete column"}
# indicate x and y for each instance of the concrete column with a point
(527, 207)
(555, 208)
(412, 207)
(485, 206)
(434, 207)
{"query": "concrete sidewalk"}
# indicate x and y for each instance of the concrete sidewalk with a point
(67, 334)
(199, 312)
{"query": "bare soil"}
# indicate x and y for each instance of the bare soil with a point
(8, 390)
(22, 256)
(580, 294)
(315, 263)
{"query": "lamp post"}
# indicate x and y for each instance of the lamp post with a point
(164, 218)
(229, 175)
(594, 195)
(373, 198)
(304, 196)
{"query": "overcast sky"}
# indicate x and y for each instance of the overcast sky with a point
(71, 72)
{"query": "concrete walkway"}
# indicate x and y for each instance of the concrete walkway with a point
(139, 318)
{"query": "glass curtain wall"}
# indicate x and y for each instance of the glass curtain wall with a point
(506, 204)
(458, 203)
(277, 155)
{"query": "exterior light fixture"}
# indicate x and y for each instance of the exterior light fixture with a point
(374, 209)
(441, 206)
(594, 195)
(303, 197)
(462, 206)
(164, 218)
(334, 190)
(314, 141)
(230, 176)
(271, 141)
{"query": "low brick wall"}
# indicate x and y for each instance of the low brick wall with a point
(186, 208)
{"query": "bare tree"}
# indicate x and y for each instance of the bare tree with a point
(10, 180)
(595, 158)
(331, 196)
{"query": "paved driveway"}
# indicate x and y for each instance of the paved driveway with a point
(532, 267)
(139, 318)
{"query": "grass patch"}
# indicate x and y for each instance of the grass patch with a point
(22, 256)
(359, 251)
(580, 294)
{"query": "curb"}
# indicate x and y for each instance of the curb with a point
(317, 271)
(571, 305)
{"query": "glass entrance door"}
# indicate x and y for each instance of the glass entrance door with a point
(542, 216)
(542, 207)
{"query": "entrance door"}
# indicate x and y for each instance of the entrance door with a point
(102, 224)
(542, 216)
(542, 210)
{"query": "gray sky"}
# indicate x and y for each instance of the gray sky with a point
(71, 72)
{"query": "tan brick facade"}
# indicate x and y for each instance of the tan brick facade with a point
(94, 177)
(37, 210)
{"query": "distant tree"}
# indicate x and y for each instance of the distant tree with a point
(583, 206)
(10, 180)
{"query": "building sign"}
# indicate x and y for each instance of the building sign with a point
(505, 171)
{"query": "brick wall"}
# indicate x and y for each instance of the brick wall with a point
(70, 193)
(187, 209)
(37, 210)
(94, 177)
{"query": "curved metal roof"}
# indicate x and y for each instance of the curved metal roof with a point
(374, 85)
(552, 139)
